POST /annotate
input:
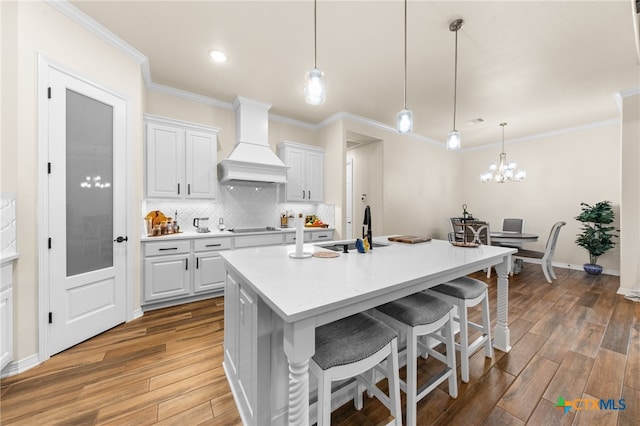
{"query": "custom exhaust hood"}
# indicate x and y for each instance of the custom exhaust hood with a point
(252, 160)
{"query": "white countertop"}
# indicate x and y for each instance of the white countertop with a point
(302, 288)
(8, 257)
(217, 234)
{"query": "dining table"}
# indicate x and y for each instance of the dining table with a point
(274, 302)
(510, 237)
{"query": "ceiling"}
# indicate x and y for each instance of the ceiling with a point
(541, 66)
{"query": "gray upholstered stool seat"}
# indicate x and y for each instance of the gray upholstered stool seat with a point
(462, 288)
(417, 309)
(350, 340)
(466, 292)
(418, 316)
(348, 348)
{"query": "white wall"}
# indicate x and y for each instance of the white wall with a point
(30, 28)
(562, 171)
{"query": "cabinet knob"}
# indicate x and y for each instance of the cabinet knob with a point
(121, 239)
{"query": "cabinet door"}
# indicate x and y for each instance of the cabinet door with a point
(296, 188)
(201, 156)
(209, 273)
(6, 327)
(247, 350)
(231, 324)
(166, 277)
(315, 175)
(165, 161)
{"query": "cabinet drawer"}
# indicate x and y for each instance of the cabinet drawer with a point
(167, 247)
(322, 236)
(291, 238)
(258, 240)
(208, 244)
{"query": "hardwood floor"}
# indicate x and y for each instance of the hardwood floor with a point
(573, 339)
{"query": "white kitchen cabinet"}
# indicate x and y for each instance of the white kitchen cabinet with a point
(180, 159)
(209, 273)
(166, 270)
(6, 314)
(305, 176)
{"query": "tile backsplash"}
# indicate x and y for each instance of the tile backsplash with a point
(240, 205)
(7, 223)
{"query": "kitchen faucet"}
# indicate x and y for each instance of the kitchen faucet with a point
(367, 223)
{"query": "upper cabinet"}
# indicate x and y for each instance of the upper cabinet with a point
(305, 176)
(181, 159)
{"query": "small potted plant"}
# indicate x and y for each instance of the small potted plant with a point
(597, 236)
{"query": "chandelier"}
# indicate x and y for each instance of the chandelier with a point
(503, 170)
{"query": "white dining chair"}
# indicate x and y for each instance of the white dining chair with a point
(543, 258)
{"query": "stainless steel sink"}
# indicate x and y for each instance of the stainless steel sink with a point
(345, 246)
(247, 230)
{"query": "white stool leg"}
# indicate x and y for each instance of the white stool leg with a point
(412, 375)
(324, 401)
(486, 325)
(394, 383)
(451, 357)
(464, 340)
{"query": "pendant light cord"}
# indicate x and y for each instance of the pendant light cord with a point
(455, 83)
(315, 35)
(502, 125)
(405, 54)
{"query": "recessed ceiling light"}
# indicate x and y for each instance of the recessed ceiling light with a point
(218, 56)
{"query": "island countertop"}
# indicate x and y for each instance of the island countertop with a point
(302, 288)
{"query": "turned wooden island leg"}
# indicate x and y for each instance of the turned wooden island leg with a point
(299, 346)
(501, 334)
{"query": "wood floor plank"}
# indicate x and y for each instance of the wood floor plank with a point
(632, 373)
(558, 344)
(571, 378)
(631, 414)
(500, 417)
(145, 417)
(591, 417)
(522, 397)
(546, 413)
(191, 399)
(192, 416)
(521, 353)
(607, 375)
(588, 340)
(616, 336)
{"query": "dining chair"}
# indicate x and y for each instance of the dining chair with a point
(351, 347)
(545, 257)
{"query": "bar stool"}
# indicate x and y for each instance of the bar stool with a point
(420, 315)
(467, 292)
(348, 348)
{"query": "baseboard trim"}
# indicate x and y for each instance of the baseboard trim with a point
(17, 367)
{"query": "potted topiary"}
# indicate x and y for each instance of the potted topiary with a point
(596, 236)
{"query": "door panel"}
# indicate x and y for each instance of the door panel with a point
(86, 210)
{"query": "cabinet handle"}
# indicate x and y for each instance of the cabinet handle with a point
(168, 248)
(188, 189)
(309, 194)
(213, 245)
(186, 264)
(323, 236)
(178, 189)
(197, 262)
(303, 194)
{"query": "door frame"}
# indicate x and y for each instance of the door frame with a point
(44, 65)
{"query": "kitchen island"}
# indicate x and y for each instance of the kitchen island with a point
(273, 304)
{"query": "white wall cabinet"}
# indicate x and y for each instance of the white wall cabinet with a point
(305, 176)
(181, 159)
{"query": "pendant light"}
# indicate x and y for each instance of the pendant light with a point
(314, 88)
(405, 117)
(503, 171)
(453, 138)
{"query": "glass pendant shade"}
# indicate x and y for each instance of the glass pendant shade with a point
(405, 121)
(453, 140)
(314, 87)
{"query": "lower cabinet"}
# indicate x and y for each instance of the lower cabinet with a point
(183, 268)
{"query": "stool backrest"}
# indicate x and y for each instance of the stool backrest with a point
(553, 239)
(513, 225)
